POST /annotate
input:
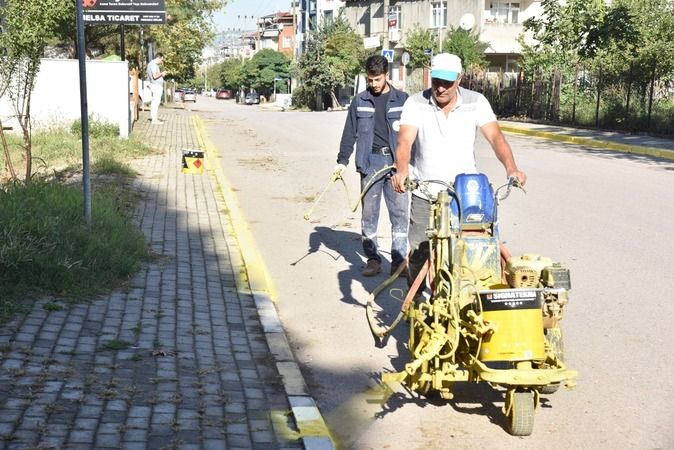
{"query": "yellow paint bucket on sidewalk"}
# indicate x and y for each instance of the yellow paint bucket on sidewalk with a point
(193, 161)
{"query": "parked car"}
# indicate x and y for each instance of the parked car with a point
(224, 94)
(189, 95)
(252, 98)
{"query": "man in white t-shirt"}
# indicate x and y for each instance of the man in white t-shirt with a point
(156, 80)
(443, 120)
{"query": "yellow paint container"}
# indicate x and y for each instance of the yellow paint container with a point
(517, 319)
(193, 161)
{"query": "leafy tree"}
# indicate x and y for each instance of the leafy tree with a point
(466, 46)
(625, 43)
(561, 33)
(261, 70)
(187, 31)
(334, 56)
(231, 74)
(29, 25)
(418, 40)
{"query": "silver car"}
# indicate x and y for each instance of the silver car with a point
(189, 95)
(252, 98)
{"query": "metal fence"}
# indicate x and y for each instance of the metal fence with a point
(586, 98)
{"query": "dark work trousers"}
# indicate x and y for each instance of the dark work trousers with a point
(420, 210)
(398, 212)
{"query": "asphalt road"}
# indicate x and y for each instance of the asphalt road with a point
(606, 215)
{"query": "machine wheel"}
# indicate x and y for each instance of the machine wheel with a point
(550, 388)
(521, 413)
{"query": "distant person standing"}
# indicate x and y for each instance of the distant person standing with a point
(156, 79)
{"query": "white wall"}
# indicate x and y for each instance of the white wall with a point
(56, 97)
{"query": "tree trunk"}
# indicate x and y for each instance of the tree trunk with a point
(596, 111)
(629, 93)
(575, 92)
(650, 97)
(335, 102)
(27, 145)
(5, 149)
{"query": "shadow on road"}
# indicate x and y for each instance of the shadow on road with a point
(344, 244)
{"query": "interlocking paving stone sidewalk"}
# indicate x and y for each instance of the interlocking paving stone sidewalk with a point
(191, 368)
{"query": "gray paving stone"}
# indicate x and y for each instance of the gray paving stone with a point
(215, 444)
(81, 437)
(6, 428)
(188, 305)
(9, 415)
(135, 435)
(240, 440)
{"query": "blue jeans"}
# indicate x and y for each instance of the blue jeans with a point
(398, 212)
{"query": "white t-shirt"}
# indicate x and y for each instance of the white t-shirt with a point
(153, 69)
(445, 145)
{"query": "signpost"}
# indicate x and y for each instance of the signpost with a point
(105, 12)
(84, 113)
(135, 12)
(388, 54)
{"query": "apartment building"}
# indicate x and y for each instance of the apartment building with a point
(276, 31)
(385, 24)
(311, 14)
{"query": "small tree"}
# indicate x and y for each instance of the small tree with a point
(29, 25)
(419, 40)
(264, 67)
(334, 56)
(231, 74)
(466, 46)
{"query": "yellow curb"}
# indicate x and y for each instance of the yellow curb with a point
(635, 149)
(258, 275)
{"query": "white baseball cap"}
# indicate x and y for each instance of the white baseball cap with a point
(446, 66)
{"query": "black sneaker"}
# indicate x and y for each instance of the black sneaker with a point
(372, 268)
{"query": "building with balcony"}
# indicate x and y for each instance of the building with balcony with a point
(276, 31)
(310, 15)
(238, 45)
(385, 24)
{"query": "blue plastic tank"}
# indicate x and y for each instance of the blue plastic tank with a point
(476, 201)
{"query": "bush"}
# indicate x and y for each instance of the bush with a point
(304, 98)
(46, 246)
(97, 128)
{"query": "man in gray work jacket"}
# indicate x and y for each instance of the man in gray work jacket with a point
(372, 125)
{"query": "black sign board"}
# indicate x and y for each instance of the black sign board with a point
(507, 299)
(133, 12)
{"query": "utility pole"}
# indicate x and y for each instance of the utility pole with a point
(294, 29)
(386, 12)
(84, 111)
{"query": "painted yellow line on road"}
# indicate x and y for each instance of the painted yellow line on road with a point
(258, 275)
(635, 149)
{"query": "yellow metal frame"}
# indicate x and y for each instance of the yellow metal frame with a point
(448, 330)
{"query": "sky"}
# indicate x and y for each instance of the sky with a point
(243, 14)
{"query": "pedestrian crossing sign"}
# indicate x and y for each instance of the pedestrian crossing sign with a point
(388, 54)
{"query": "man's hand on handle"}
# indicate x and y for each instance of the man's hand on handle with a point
(521, 176)
(338, 171)
(398, 180)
